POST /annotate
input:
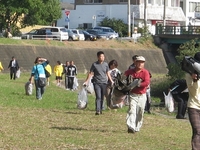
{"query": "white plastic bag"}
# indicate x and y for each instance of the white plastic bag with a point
(18, 73)
(90, 87)
(169, 102)
(82, 99)
(28, 88)
(75, 85)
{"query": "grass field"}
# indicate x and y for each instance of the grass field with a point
(56, 123)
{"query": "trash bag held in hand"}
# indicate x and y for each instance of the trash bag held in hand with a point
(18, 73)
(117, 99)
(75, 85)
(28, 88)
(169, 102)
(82, 99)
(126, 83)
(90, 87)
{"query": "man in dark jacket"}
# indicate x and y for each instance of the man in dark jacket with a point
(13, 66)
(180, 94)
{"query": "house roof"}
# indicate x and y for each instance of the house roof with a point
(65, 5)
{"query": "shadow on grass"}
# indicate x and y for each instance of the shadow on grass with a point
(79, 129)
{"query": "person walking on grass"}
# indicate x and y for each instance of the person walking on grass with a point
(58, 70)
(71, 74)
(38, 71)
(113, 73)
(48, 73)
(100, 72)
(137, 96)
(193, 84)
(177, 89)
(13, 66)
(65, 74)
(1, 67)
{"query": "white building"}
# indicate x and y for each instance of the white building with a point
(88, 13)
(191, 9)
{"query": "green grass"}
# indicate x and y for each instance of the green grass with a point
(56, 123)
(8, 41)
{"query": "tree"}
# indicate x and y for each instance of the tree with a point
(28, 13)
(186, 49)
(116, 24)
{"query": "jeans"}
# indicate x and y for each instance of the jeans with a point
(100, 91)
(39, 90)
(70, 82)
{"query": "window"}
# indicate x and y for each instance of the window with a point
(92, 1)
(194, 6)
(149, 1)
(175, 3)
(123, 1)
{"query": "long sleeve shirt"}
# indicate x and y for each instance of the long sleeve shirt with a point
(194, 92)
(144, 75)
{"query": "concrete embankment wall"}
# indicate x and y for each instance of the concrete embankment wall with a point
(83, 58)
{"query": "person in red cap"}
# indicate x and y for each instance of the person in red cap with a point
(137, 96)
(193, 84)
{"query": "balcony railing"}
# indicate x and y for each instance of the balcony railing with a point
(177, 30)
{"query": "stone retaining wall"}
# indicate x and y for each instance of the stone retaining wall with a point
(83, 58)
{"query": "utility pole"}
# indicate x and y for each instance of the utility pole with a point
(145, 16)
(164, 13)
(129, 19)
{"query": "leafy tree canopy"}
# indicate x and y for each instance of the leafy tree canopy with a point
(116, 24)
(186, 49)
(28, 12)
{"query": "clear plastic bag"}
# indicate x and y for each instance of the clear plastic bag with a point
(75, 85)
(82, 99)
(90, 87)
(169, 102)
(28, 88)
(18, 73)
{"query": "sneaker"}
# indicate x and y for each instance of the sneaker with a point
(40, 98)
(67, 89)
(180, 117)
(97, 113)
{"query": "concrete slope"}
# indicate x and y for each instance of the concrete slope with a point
(83, 58)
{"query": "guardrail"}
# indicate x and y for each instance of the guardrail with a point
(177, 30)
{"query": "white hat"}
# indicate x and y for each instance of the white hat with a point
(140, 58)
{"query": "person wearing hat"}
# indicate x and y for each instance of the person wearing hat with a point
(13, 66)
(137, 96)
(148, 94)
(193, 84)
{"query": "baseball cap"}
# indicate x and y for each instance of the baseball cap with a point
(140, 58)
